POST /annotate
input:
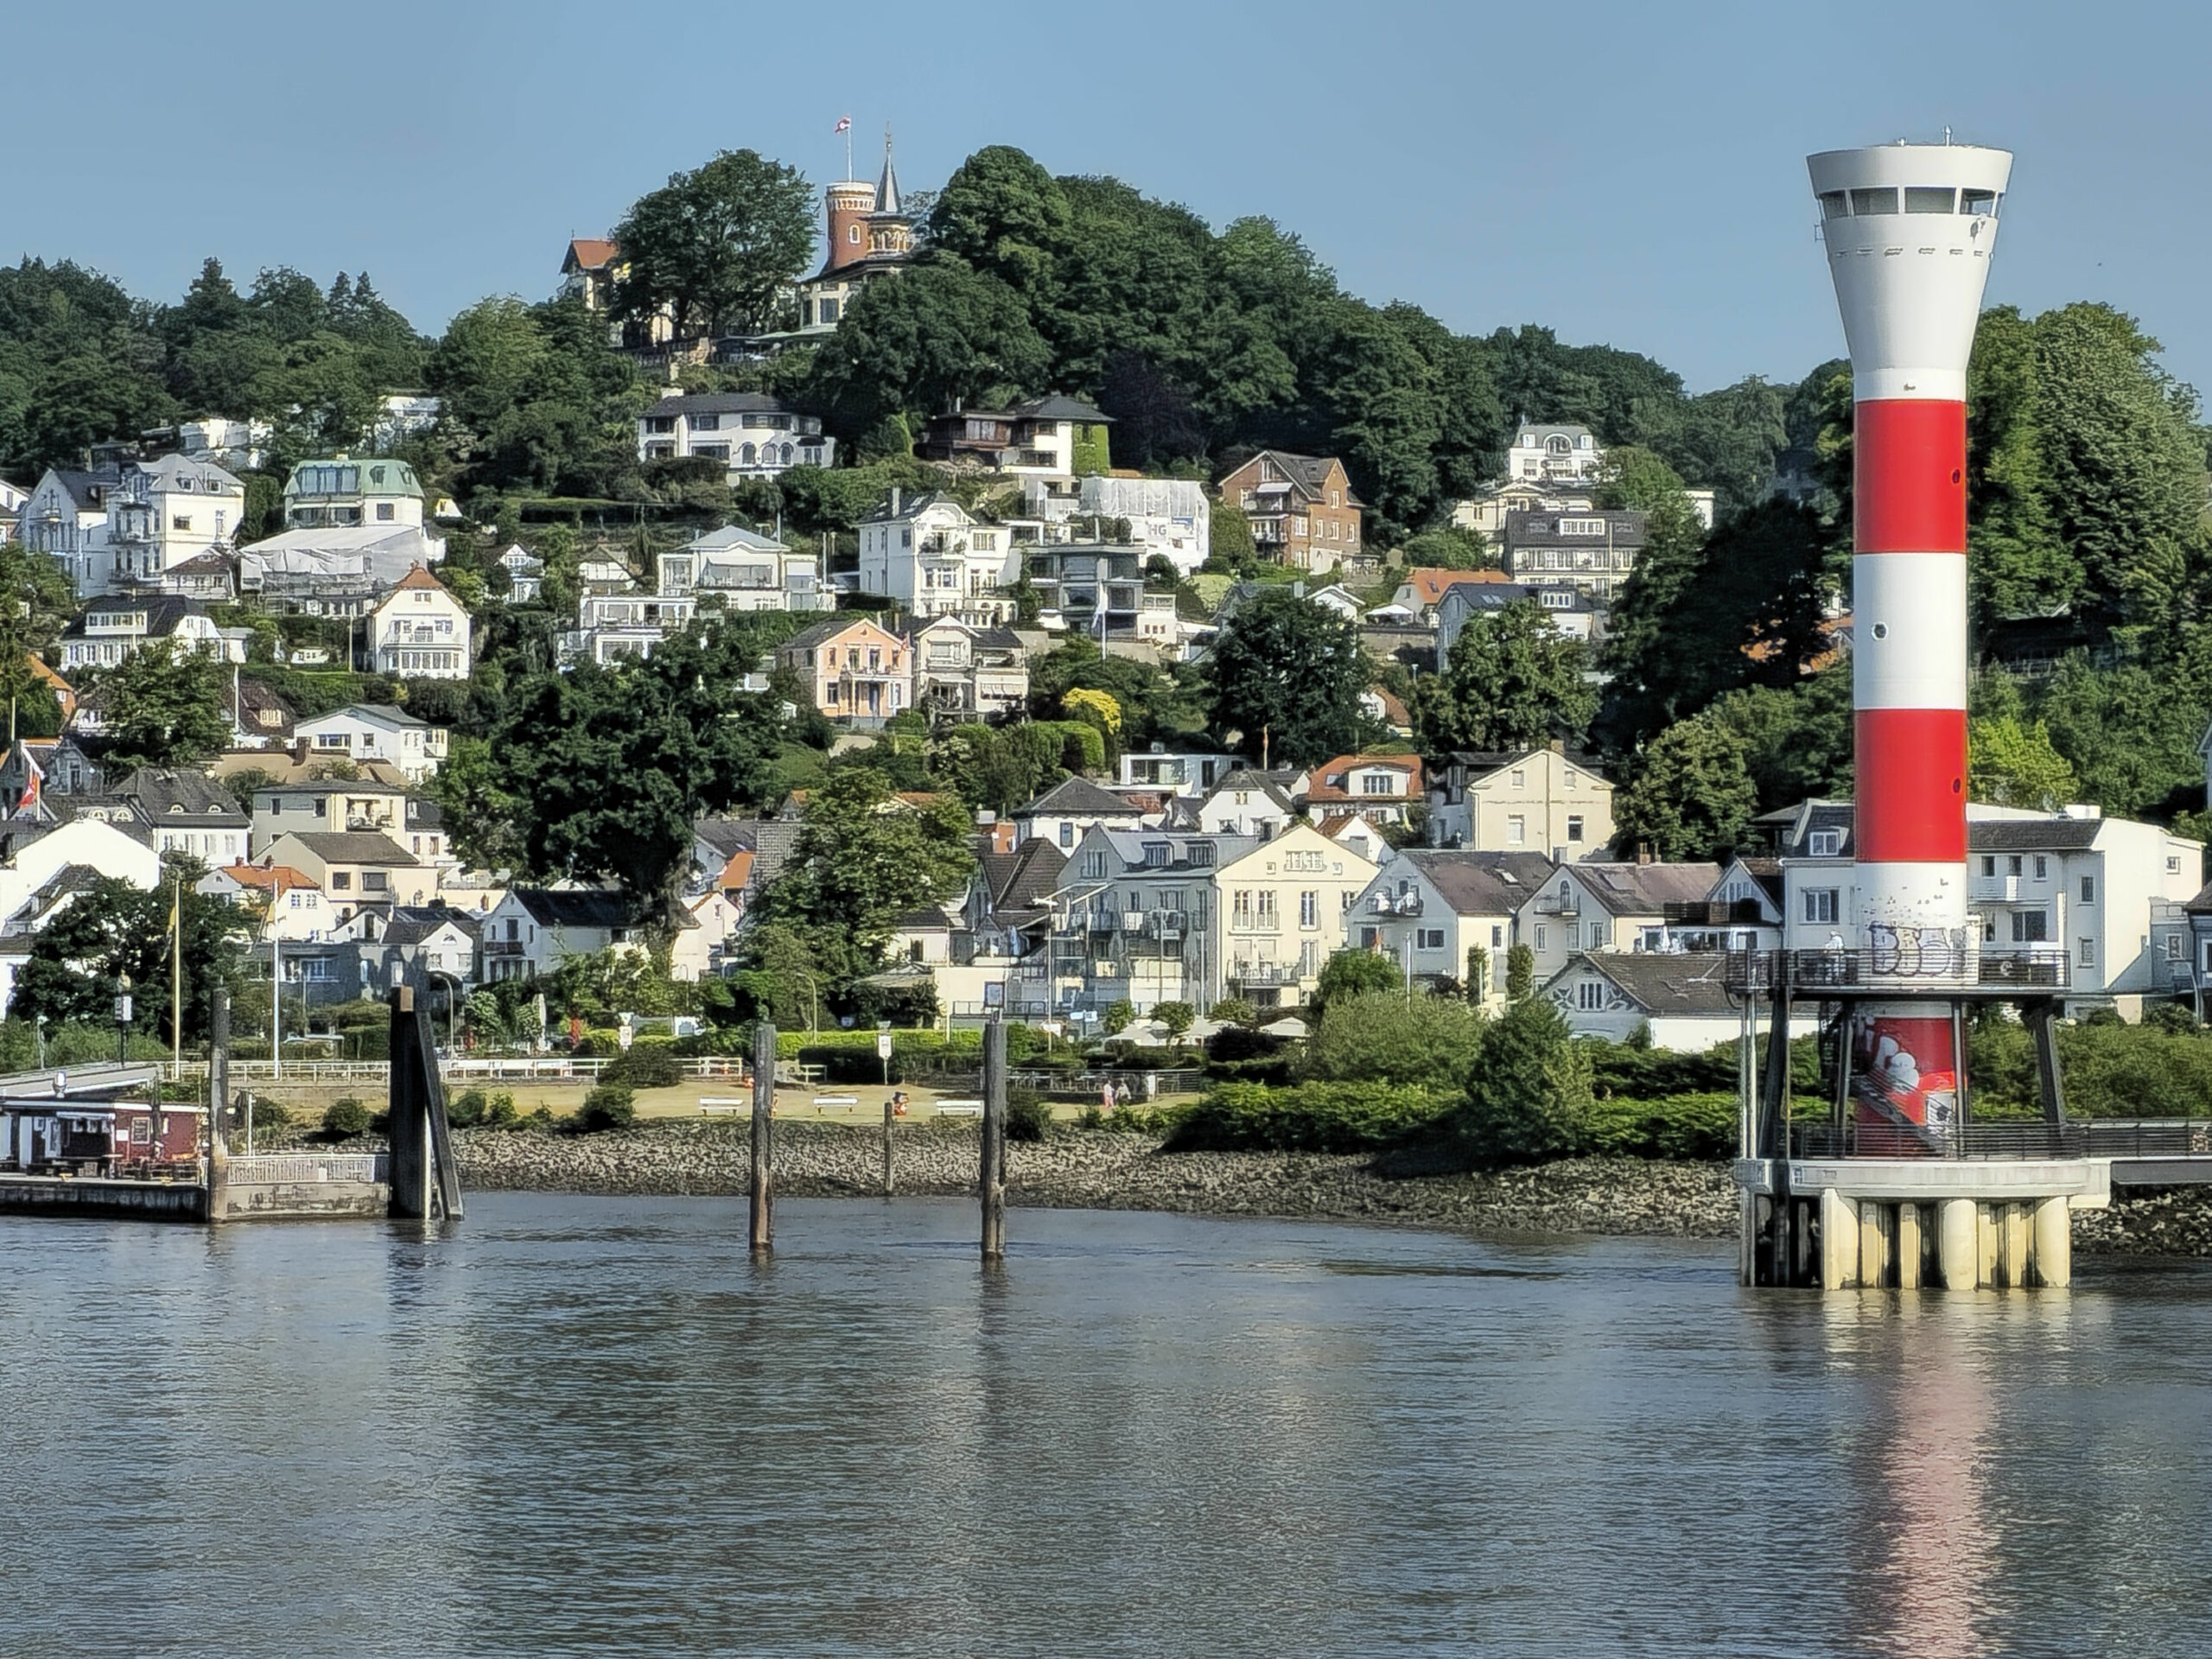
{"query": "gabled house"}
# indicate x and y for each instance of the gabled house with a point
(376, 731)
(1386, 787)
(1246, 802)
(328, 806)
(930, 554)
(419, 631)
(1301, 508)
(857, 671)
(1681, 1000)
(357, 871)
(286, 902)
(1594, 550)
(1061, 815)
(1652, 908)
(1431, 912)
(533, 930)
(744, 571)
(1539, 800)
(432, 942)
(188, 812)
(968, 673)
(1420, 595)
(109, 630)
(65, 517)
(1568, 608)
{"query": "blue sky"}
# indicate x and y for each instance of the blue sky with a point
(1627, 173)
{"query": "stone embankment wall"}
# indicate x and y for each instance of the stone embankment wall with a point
(1113, 1172)
(1129, 1172)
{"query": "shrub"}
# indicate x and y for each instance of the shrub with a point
(647, 1065)
(1027, 1117)
(609, 1106)
(1310, 1117)
(342, 1121)
(1352, 972)
(1241, 1043)
(1120, 1017)
(1702, 1126)
(465, 1110)
(1382, 1037)
(269, 1117)
(1528, 1095)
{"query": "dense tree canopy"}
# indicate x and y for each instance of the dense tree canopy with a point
(717, 246)
(1512, 681)
(1287, 677)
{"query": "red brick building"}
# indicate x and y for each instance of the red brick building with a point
(1302, 509)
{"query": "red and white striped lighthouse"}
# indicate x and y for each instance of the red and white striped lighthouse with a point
(1910, 231)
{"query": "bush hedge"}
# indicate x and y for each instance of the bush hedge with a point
(1309, 1118)
(1688, 1126)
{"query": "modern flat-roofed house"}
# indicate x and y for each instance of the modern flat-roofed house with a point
(751, 435)
(968, 673)
(1302, 507)
(748, 571)
(532, 930)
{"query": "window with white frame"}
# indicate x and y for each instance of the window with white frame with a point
(1825, 844)
(1819, 904)
(1589, 997)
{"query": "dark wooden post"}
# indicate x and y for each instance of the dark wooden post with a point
(993, 1160)
(409, 1119)
(763, 1111)
(2041, 1021)
(889, 1185)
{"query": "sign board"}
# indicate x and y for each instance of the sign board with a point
(883, 1045)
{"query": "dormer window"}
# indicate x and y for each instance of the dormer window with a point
(1825, 843)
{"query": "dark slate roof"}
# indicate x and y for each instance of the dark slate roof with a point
(2056, 833)
(1479, 884)
(1644, 889)
(2201, 904)
(163, 611)
(412, 924)
(1078, 797)
(1541, 529)
(1055, 406)
(1023, 879)
(424, 812)
(1767, 872)
(1660, 983)
(728, 836)
(81, 486)
(719, 402)
(161, 793)
(353, 847)
(574, 906)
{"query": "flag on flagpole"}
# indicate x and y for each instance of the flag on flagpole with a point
(844, 124)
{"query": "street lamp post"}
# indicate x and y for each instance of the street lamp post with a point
(123, 1020)
(453, 1002)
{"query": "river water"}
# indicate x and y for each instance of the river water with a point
(594, 1426)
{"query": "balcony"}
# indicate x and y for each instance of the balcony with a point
(1263, 975)
(1559, 904)
(505, 948)
(1715, 912)
(1404, 904)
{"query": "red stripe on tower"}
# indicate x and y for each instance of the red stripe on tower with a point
(1909, 490)
(1911, 786)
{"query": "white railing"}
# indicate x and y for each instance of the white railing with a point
(295, 1168)
(519, 1068)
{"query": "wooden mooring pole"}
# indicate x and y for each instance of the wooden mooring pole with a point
(993, 1160)
(889, 1184)
(763, 1111)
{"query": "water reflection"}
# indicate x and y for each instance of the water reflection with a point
(583, 1426)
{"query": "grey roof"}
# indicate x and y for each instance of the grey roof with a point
(733, 538)
(161, 793)
(389, 714)
(1129, 847)
(1022, 880)
(1309, 472)
(1767, 872)
(1079, 797)
(162, 613)
(2051, 834)
(1794, 826)
(1541, 529)
(83, 486)
(1496, 595)
(574, 906)
(806, 639)
(353, 846)
(720, 403)
(1248, 779)
(1478, 884)
(1644, 889)
(412, 924)
(2201, 904)
(728, 836)
(1661, 983)
(424, 812)
(1055, 406)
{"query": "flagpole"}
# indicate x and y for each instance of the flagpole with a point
(176, 975)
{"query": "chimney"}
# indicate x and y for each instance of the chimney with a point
(1643, 852)
(894, 501)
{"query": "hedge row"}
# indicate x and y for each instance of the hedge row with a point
(1309, 1118)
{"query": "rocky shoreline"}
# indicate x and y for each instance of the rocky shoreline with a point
(1619, 1195)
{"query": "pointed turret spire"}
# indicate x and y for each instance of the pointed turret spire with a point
(887, 187)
